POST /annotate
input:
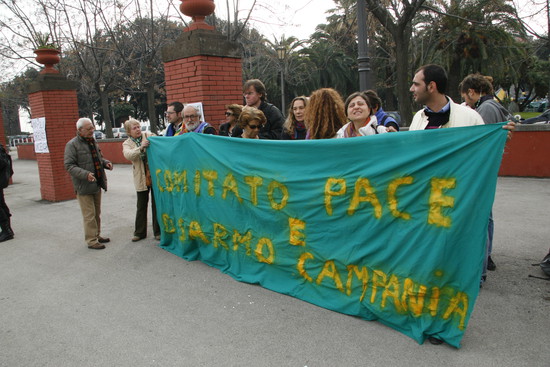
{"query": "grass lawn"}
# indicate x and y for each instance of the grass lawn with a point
(528, 115)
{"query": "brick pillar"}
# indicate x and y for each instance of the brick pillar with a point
(203, 66)
(54, 97)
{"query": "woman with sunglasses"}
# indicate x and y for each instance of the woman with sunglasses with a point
(231, 117)
(294, 127)
(251, 121)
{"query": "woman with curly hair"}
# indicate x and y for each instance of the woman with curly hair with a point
(294, 127)
(231, 117)
(324, 114)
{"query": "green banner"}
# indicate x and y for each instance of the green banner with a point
(389, 227)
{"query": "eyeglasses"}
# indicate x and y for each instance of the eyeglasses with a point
(229, 114)
(254, 127)
(167, 113)
(190, 117)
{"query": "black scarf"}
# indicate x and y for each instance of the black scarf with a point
(437, 119)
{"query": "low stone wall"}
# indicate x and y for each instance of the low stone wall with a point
(26, 151)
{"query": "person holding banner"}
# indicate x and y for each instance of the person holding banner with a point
(251, 121)
(294, 128)
(382, 116)
(324, 114)
(134, 149)
(428, 88)
(232, 113)
(362, 119)
(477, 91)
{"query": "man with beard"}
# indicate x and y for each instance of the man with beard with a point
(173, 115)
(428, 87)
(86, 165)
(193, 123)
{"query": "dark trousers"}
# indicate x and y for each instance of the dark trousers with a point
(141, 214)
(4, 210)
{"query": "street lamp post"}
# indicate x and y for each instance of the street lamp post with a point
(281, 54)
(363, 56)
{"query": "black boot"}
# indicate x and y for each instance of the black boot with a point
(7, 232)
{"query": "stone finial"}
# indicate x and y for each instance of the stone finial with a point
(198, 10)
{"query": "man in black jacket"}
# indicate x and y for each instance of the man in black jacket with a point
(255, 96)
(6, 172)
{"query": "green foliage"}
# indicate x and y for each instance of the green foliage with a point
(42, 42)
(472, 36)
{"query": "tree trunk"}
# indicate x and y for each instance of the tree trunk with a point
(151, 107)
(403, 77)
(106, 116)
(454, 79)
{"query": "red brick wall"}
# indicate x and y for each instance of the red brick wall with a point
(26, 152)
(527, 154)
(214, 81)
(60, 109)
(111, 150)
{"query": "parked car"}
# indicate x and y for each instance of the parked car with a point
(543, 118)
(98, 134)
(119, 132)
(538, 106)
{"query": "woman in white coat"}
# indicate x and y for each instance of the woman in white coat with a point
(134, 150)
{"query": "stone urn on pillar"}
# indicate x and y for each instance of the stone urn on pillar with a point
(47, 57)
(198, 10)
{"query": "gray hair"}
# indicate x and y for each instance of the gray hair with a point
(129, 123)
(82, 121)
(197, 110)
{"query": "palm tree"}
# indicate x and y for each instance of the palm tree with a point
(474, 36)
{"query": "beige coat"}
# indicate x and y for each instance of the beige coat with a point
(132, 153)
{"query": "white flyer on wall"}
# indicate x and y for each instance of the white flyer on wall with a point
(39, 132)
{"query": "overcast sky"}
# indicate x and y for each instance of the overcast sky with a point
(299, 18)
(296, 18)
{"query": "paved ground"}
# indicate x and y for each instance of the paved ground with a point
(135, 304)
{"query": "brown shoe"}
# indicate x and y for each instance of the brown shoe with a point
(136, 238)
(96, 246)
(103, 239)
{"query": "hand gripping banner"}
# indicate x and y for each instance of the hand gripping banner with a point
(389, 227)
